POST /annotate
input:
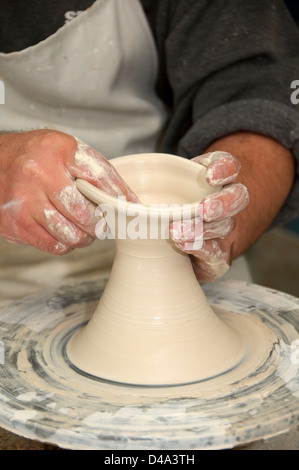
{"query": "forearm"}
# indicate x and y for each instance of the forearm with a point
(267, 170)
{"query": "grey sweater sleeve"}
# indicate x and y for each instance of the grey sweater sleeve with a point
(225, 66)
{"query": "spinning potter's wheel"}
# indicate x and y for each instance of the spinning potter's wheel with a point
(150, 360)
(43, 398)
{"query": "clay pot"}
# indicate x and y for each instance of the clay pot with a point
(153, 325)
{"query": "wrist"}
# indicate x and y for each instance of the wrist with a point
(267, 170)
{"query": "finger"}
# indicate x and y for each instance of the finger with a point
(90, 165)
(75, 207)
(209, 271)
(192, 230)
(222, 167)
(209, 249)
(44, 241)
(187, 230)
(63, 194)
(212, 261)
(226, 203)
(62, 229)
(34, 234)
(218, 229)
(20, 226)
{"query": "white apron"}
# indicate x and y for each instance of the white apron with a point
(95, 79)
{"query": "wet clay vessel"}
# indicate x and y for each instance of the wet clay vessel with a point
(153, 325)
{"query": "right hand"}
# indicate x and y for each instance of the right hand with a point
(39, 202)
(213, 258)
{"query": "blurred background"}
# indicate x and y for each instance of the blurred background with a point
(274, 259)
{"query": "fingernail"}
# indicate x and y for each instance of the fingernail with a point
(213, 209)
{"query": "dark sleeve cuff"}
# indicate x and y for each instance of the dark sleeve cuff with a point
(269, 118)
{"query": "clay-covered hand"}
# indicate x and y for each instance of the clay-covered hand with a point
(39, 202)
(209, 239)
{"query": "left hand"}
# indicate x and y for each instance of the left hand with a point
(213, 258)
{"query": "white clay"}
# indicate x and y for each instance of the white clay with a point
(60, 227)
(255, 400)
(83, 157)
(153, 325)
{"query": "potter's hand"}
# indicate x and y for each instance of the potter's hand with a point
(39, 202)
(213, 258)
